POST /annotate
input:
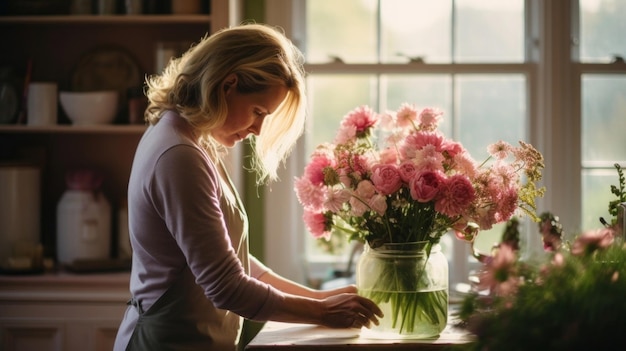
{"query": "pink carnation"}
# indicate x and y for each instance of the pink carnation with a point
(314, 171)
(310, 196)
(362, 119)
(386, 178)
(316, 224)
(456, 196)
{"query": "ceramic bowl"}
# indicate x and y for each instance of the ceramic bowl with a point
(90, 108)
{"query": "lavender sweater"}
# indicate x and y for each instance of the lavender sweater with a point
(184, 213)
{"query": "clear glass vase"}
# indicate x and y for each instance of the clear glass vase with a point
(410, 285)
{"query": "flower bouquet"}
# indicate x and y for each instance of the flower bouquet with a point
(393, 178)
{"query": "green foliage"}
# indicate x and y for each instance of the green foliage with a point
(620, 192)
(577, 306)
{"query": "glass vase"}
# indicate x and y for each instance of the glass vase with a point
(409, 282)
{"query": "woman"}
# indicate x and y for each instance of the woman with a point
(192, 278)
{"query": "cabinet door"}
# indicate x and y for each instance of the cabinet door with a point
(16, 335)
(95, 334)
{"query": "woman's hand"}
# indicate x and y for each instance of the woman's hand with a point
(349, 310)
(349, 289)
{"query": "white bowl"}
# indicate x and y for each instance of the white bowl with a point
(89, 108)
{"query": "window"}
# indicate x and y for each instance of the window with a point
(511, 70)
(600, 71)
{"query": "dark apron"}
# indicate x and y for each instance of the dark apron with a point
(173, 321)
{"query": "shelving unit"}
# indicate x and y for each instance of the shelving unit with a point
(55, 44)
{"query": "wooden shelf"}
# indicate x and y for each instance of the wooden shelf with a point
(108, 19)
(71, 129)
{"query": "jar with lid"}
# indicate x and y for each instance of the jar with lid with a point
(83, 219)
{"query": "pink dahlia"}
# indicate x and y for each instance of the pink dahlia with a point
(455, 196)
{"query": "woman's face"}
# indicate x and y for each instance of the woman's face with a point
(246, 112)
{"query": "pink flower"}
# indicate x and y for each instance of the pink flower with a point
(455, 196)
(345, 135)
(428, 158)
(425, 186)
(336, 198)
(464, 163)
(590, 241)
(314, 171)
(429, 118)
(362, 119)
(506, 204)
(310, 196)
(386, 178)
(352, 165)
(378, 203)
(406, 115)
(387, 121)
(500, 275)
(359, 202)
(499, 150)
(407, 170)
(452, 148)
(316, 224)
(417, 141)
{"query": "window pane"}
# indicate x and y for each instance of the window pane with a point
(491, 108)
(602, 28)
(345, 29)
(423, 91)
(603, 117)
(415, 28)
(596, 195)
(330, 98)
(489, 31)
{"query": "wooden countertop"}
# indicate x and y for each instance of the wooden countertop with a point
(300, 337)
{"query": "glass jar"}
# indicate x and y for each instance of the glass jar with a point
(409, 282)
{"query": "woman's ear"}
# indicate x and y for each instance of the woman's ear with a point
(229, 82)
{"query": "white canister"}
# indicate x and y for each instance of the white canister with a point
(42, 104)
(19, 208)
(83, 226)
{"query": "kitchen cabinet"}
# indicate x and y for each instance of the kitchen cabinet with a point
(64, 311)
(61, 311)
(55, 48)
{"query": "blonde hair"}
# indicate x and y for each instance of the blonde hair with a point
(260, 56)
